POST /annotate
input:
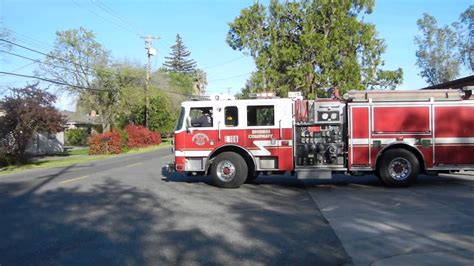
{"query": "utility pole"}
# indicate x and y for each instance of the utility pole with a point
(150, 51)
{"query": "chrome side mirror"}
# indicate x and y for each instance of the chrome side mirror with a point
(188, 125)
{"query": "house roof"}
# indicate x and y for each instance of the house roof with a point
(79, 118)
(453, 84)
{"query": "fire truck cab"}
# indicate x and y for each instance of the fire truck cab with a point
(243, 137)
(395, 135)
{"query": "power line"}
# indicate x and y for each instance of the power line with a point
(26, 39)
(172, 92)
(22, 67)
(224, 63)
(98, 15)
(232, 77)
(47, 80)
(40, 62)
(24, 47)
(58, 58)
(75, 86)
(112, 12)
(56, 82)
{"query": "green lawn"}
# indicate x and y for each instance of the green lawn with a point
(73, 156)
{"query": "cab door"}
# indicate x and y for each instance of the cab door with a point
(269, 135)
(201, 136)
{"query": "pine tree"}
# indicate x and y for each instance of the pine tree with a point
(178, 60)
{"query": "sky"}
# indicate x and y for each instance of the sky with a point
(203, 25)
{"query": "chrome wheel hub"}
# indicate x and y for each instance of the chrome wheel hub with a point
(225, 170)
(399, 168)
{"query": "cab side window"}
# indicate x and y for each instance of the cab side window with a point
(201, 116)
(231, 114)
(261, 115)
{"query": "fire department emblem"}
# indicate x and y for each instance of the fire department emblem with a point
(200, 139)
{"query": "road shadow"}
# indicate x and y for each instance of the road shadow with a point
(70, 226)
(292, 181)
(119, 223)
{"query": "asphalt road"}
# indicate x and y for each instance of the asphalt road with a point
(124, 211)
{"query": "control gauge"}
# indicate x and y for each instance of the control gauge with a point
(325, 116)
(334, 116)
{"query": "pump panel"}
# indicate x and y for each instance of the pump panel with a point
(320, 142)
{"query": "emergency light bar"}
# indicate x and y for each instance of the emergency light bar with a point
(213, 97)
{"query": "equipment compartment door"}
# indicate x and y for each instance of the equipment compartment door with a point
(359, 136)
(454, 135)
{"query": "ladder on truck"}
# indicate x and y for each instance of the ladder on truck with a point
(408, 95)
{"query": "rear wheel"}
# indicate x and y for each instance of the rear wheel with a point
(398, 167)
(229, 170)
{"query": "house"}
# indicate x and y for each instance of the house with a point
(41, 143)
(466, 84)
(46, 143)
(89, 121)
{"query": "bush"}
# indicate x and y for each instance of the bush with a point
(76, 137)
(105, 143)
(139, 136)
(5, 159)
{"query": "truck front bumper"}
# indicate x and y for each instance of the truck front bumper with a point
(170, 167)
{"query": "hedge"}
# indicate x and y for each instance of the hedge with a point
(139, 137)
(114, 142)
(76, 137)
(105, 143)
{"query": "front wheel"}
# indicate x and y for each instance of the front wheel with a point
(398, 167)
(229, 170)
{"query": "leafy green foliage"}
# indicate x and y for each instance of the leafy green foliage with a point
(199, 82)
(466, 37)
(162, 115)
(29, 110)
(116, 89)
(437, 55)
(75, 59)
(178, 60)
(76, 137)
(312, 45)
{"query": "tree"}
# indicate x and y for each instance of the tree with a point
(82, 64)
(4, 34)
(466, 37)
(77, 59)
(29, 110)
(178, 60)
(162, 116)
(200, 82)
(437, 55)
(312, 45)
(166, 91)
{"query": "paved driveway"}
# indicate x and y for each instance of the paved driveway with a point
(430, 223)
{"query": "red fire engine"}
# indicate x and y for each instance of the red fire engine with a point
(394, 134)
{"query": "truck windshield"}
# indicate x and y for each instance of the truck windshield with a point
(179, 123)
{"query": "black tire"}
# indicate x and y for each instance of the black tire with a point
(398, 168)
(229, 170)
(251, 177)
